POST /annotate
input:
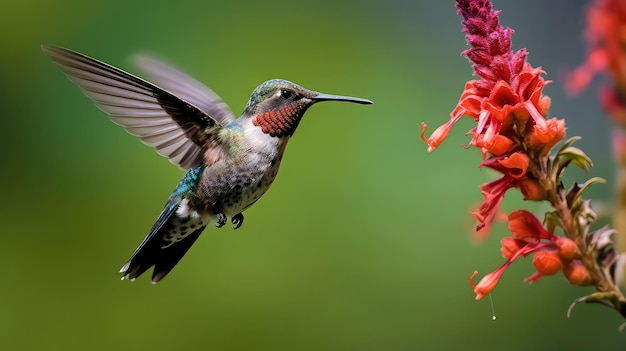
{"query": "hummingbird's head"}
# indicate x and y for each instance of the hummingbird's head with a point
(277, 106)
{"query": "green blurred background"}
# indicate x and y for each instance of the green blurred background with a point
(364, 241)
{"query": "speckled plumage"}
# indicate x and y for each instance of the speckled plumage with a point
(230, 162)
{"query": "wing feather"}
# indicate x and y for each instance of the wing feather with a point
(185, 86)
(174, 126)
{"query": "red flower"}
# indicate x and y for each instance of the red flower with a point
(440, 134)
(514, 165)
(497, 145)
(524, 224)
(508, 106)
(496, 110)
(493, 192)
(511, 245)
(551, 252)
(516, 135)
(487, 283)
(544, 138)
(490, 280)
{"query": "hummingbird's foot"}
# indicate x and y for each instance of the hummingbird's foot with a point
(221, 220)
(237, 220)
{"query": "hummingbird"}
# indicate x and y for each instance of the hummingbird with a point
(230, 162)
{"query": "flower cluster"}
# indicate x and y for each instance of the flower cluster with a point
(508, 106)
(516, 139)
(552, 253)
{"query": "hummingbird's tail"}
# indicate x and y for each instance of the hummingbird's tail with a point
(168, 241)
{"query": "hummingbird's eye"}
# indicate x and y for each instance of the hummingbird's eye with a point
(285, 94)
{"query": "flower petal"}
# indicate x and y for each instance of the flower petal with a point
(516, 164)
(524, 224)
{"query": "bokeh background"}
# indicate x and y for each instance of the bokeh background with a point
(363, 243)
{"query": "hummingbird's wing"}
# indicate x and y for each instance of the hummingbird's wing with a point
(176, 128)
(186, 87)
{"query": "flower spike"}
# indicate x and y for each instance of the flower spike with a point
(516, 137)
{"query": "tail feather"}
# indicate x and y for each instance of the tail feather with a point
(159, 251)
(169, 257)
(163, 259)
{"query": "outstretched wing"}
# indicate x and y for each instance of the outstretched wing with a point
(176, 128)
(186, 87)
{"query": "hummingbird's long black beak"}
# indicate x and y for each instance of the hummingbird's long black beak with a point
(328, 97)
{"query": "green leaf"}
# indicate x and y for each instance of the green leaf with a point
(609, 299)
(576, 156)
(574, 195)
(594, 180)
(568, 143)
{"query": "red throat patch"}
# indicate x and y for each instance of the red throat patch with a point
(281, 122)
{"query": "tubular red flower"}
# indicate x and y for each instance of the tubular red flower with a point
(440, 134)
(494, 193)
(516, 164)
(543, 138)
(538, 118)
(496, 146)
(529, 86)
(551, 252)
(524, 224)
(511, 245)
(501, 101)
(490, 280)
(471, 100)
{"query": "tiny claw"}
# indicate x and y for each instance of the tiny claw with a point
(237, 220)
(221, 220)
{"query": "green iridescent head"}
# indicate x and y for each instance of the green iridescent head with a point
(276, 93)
